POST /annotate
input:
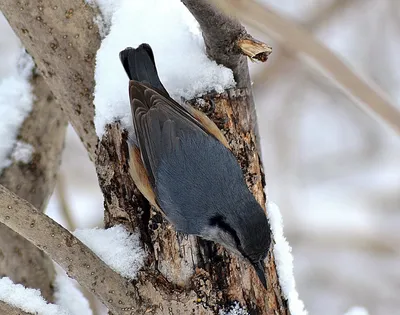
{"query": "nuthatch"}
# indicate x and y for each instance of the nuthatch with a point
(182, 164)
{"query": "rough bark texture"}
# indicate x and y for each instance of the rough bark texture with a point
(44, 129)
(9, 310)
(184, 274)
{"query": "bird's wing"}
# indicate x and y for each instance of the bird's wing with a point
(158, 122)
(140, 177)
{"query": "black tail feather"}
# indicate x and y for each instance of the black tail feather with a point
(140, 66)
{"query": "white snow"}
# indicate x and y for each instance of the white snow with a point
(357, 310)
(69, 297)
(284, 261)
(28, 300)
(179, 50)
(15, 91)
(116, 247)
(107, 9)
(22, 152)
(235, 309)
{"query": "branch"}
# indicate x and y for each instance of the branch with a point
(321, 16)
(227, 40)
(63, 40)
(72, 255)
(44, 129)
(71, 226)
(299, 40)
(10, 310)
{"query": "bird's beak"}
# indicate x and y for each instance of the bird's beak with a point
(259, 267)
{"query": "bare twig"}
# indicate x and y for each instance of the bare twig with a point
(10, 310)
(294, 37)
(64, 205)
(253, 48)
(72, 255)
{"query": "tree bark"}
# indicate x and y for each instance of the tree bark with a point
(188, 274)
(63, 40)
(10, 310)
(183, 274)
(44, 129)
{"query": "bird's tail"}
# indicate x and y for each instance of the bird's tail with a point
(140, 66)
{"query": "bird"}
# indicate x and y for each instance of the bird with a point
(182, 163)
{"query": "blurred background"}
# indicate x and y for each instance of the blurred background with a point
(333, 170)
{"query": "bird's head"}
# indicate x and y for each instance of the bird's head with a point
(245, 231)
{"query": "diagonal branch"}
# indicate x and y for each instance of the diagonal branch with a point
(321, 16)
(62, 38)
(296, 38)
(71, 254)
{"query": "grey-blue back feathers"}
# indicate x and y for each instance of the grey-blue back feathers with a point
(197, 181)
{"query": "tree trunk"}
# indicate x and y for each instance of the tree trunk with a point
(44, 129)
(183, 274)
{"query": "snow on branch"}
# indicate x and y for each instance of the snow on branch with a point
(22, 152)
(70, 253)
(179, 51)
(116, 247)
(28, 300)
(227, 40)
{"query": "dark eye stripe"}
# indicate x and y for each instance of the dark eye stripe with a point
(219, 221)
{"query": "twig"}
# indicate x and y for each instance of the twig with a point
(72, 255)
(227, 40)
(253, 48)
(65, 208)
(10, 310)
(296, 38)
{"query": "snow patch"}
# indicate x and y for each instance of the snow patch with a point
(107, 9)
(69, 297)
(235, 309)
(179, 50)
(22, 152)
(28, 300)
(284, 261)
(16, 101)
(116, 247)
(357, 310)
